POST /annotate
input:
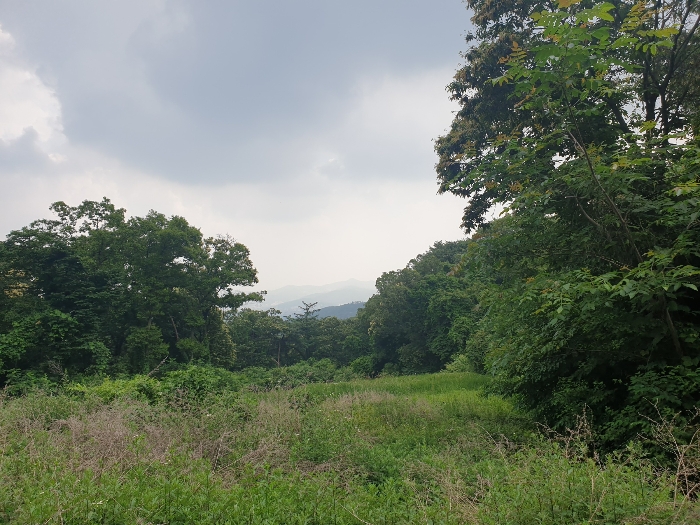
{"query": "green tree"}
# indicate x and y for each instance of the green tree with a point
(92, 290)
(303, 332)
(422, 315)
(594, 269)
(259, 337)
(663, 89)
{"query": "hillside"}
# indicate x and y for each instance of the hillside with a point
(289, 298)
(343, 311)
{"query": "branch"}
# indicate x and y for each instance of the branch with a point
(611, 261)
(355, 515)
(611, 203)
(177, 336)
(157, 366)
(671, 327)
(590, 219)
(618, 116)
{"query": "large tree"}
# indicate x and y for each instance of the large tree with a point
(95, 291)
(422, 314)
(663, 88)
(584, 130)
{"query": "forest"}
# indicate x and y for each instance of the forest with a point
(557, 346)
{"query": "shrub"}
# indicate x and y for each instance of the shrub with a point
(139, 387)
(364, 365)
(460, 363)
(197, 382)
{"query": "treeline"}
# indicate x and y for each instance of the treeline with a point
(94, 293)
(420, 318)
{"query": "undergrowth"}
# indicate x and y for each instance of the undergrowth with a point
(428, 449)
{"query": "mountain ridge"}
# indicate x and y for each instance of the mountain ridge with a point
(289, 298)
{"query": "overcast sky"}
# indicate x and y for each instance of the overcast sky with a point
(302, 128)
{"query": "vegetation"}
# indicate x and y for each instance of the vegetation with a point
(92, 292)
(138, 388)
(418, 449)
(585, 132)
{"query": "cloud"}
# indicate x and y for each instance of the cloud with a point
(301, 128)
(219, 91)
(23, 154)
(326, 232)
(30, 115)
(386, 131)
(25, 101)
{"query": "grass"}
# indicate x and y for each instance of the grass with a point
(394, 450)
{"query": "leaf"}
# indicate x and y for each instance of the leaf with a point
(601, 33)
(648, 125)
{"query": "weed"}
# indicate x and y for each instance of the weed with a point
(394, 450)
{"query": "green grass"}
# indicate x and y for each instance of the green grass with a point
(405, 385)
(425, 449)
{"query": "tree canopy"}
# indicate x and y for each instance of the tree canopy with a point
(95, 291)
(580, 120)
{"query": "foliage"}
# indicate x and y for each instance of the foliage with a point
(139, 387)
(194, 383)
(461, 363)
(591, 278)
(422, 315)
(265, 339)
(258, 337)
(418, 449)
(92, 291)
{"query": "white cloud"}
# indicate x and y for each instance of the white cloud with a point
(347, 190)
(25, 102)
(388, 129)
(346, 230)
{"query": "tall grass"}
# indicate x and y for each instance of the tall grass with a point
(395, 450)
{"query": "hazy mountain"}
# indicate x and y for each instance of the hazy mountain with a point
(326, 299)
(344, 311)
(289, 298)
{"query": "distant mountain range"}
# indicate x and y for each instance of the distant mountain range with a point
(345, 293)
(344, 311)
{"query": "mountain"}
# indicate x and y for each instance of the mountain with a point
(289, 298)
(344, 311)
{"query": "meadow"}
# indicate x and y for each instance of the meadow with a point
(424, 449)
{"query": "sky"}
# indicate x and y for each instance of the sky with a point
(303, 129)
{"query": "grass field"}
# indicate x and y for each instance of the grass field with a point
(425, 449)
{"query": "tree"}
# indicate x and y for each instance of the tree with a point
(594, 268)
(259, 337)
(94, 291)
(661, 87)
(422, 315)
(303, 331)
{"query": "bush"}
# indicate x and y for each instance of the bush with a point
(364, 365)
(140, 387)
(302, 373)
(460, 363)
(391, 369)
(197, 382)
(555, 486)
(23, 382)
